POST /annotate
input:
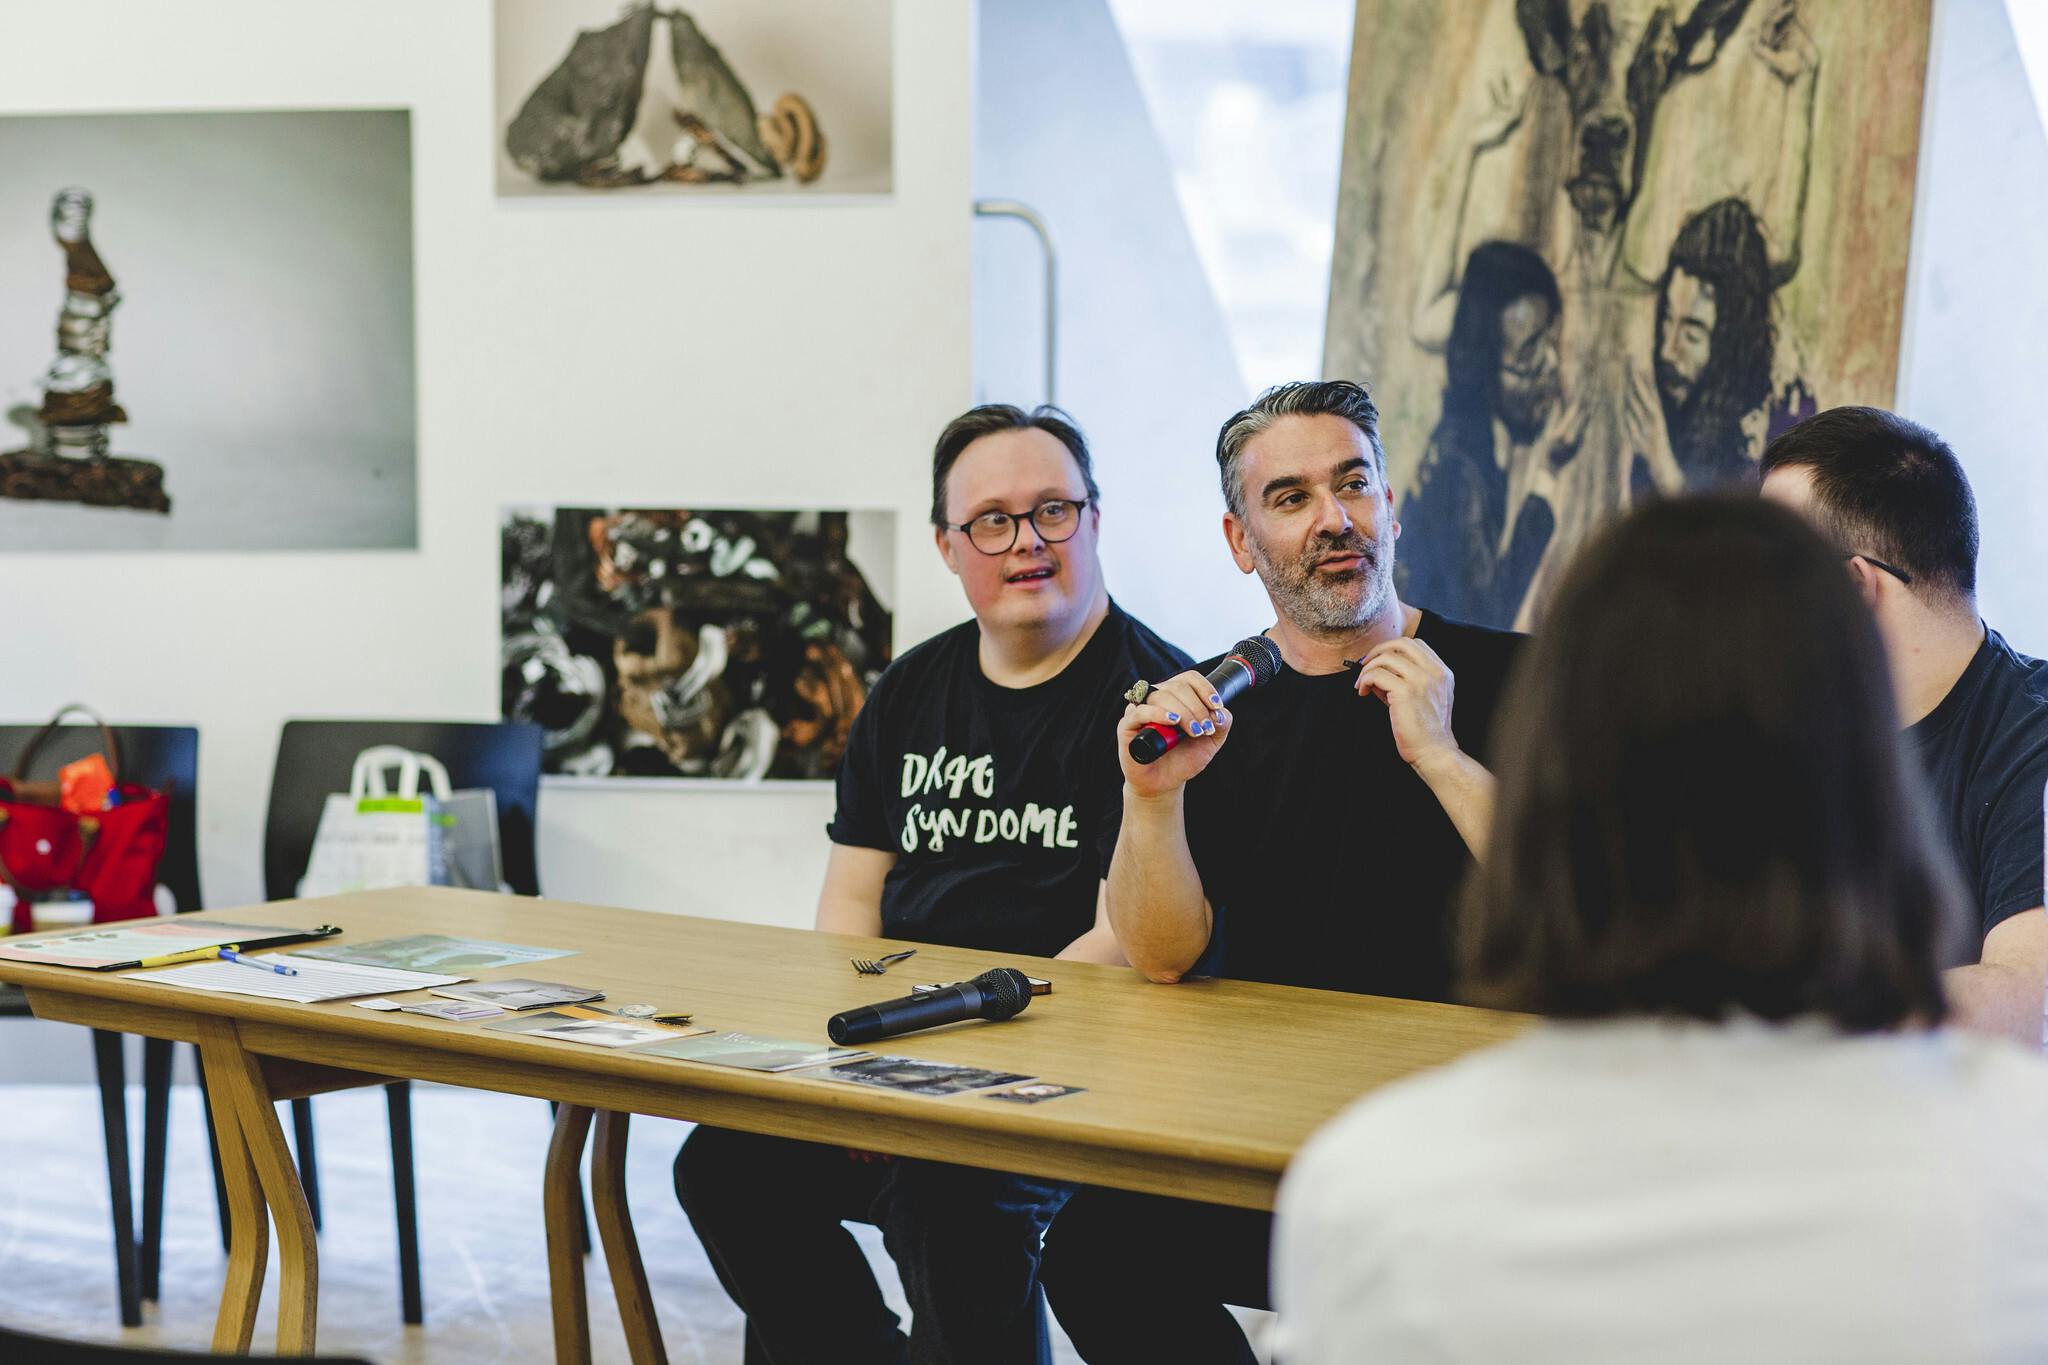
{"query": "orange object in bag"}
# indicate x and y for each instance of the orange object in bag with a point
(82, 787)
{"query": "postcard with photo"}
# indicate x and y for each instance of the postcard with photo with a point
(538, 1020)
(920, 1078)
(755, 1054)
(606, 1032)
(458, 1011)
(520, 993)
(1034, 1092)
(436, 953)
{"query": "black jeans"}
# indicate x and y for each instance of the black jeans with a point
(966, 1241)
(1142, 1278)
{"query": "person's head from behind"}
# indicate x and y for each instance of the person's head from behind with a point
(1310, 511)
(1015, 513)
(1705, 810)
(1502, 357)
(1891, 497)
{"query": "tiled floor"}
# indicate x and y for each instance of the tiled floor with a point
(483, 1255)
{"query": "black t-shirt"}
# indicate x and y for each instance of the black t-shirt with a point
(1327, 861)
(1985, 752)
(992, 798)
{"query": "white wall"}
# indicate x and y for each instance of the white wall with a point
(1976, 344)
(595, 350)
(1145, 362)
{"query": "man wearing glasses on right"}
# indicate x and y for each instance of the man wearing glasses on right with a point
(1891, 494)
(973, 800)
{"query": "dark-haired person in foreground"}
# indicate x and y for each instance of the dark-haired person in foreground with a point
(1742, 1134)
(971, 801)
(1891, 496)
(1319, 846)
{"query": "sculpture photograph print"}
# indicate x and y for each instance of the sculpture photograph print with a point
(722, 96)
(67, 458)
(693, 643)
(1594, 251)
(206, 331)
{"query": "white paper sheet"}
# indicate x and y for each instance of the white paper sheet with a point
(317, 980)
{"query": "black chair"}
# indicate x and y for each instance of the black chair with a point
(30, 1349)
(163, 757)
(314, 758)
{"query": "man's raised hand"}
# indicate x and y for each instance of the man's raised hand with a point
(1187, 702)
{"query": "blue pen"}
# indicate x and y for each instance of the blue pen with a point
(230, 955)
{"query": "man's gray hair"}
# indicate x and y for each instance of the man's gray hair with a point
(1303, 398)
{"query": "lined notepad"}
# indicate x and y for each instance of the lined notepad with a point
(317, 980)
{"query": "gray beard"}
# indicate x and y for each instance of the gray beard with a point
(1319, 604)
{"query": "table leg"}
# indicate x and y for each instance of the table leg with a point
(235, 1078)
(621, 1248)
(110, 1062)
(562, 1201)
(248, 1220)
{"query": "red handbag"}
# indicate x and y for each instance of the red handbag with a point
(110, 857)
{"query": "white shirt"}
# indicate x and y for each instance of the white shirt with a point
(1641, 1192)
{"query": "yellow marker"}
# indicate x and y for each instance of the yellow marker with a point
(195, 955)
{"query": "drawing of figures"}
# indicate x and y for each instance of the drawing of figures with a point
(1480, 495)
(1722, 388)
(1644, 178)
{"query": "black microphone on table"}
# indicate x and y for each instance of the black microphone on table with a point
(1001, 993)
(1251, 661)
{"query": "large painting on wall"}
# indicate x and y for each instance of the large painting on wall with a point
(206, 331)
(1592, 251)
(754, 97)
(693, 643)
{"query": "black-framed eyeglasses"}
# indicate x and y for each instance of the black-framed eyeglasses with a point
(995, 532)
(1874, 562)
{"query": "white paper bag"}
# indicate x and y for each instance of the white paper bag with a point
(374, 837)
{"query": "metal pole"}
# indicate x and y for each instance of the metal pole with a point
(1024, 213)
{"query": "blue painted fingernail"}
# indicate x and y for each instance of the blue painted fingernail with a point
(1215, 700)
(1208, 727)
(1173, 716)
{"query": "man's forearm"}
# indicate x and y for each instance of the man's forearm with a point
(1991, 998)
(1465, 790)
(849, 915)
(1155, 894)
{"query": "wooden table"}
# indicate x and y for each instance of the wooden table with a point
(1202, 1090)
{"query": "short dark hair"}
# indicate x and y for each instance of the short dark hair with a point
(1886, 486)
(1706, 808)
(990, 418)
(1302, 398)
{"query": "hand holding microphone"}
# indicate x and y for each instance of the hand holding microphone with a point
(1170, 736)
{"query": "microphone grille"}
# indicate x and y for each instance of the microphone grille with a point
(1005, 992)
(1261, 655)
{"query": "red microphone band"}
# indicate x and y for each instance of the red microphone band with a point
(1171, 735)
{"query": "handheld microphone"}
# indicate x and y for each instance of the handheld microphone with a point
(1001, 993)
(1251, 661)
